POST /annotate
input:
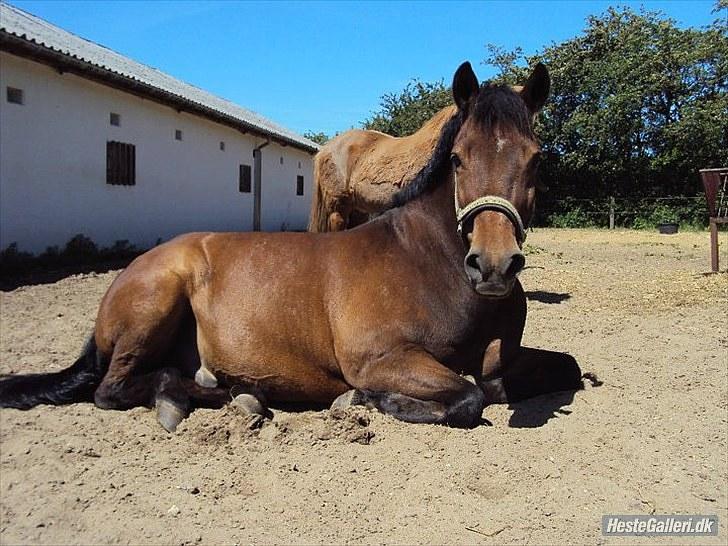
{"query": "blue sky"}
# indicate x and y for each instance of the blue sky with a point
(323, 66)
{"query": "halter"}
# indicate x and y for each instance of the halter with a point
(488, 202)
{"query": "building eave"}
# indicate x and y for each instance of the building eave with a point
(29, 49)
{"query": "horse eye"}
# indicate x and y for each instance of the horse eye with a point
(455, 160)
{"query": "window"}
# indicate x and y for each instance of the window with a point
(177, 134)
(245, 179)
(15, 95)
(299, 164)
(120, 164)
(299, 185)
(281, 160)
(114, 119)
(222, 146)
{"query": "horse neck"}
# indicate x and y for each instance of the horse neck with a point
(428, 230)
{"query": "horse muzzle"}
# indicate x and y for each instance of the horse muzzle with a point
(493, 280)
(494, 257)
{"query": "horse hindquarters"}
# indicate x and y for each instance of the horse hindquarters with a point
(141, 317)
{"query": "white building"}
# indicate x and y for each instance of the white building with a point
(95, 143)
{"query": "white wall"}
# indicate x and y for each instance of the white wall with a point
(53, 167)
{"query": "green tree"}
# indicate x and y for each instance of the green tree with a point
(401, 114)
(319, 138)
(638, 105)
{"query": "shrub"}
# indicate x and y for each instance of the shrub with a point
(80, 248)
(575, 217)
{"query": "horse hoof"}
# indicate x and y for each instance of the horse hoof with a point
(249, 404)
(346, 400)
(170, 413)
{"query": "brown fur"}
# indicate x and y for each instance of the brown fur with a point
(361, 170)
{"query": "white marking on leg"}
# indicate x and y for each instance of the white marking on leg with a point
(205, 378)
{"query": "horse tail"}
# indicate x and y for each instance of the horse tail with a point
(76, 383)
(319, 219)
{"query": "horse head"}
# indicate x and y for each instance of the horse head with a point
(494, 160)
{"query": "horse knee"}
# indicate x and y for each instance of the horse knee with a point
(336, 222)
(466, 409)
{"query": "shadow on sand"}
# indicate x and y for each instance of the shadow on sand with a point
(10, 282)
(540, 384)
(547, 297)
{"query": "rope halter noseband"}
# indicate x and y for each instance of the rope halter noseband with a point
(488, 202)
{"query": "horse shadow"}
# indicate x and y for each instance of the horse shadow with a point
(540, 384)
(547, 297)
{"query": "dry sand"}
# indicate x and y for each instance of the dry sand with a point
(633, 308)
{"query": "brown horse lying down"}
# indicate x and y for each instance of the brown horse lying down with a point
(387, 315)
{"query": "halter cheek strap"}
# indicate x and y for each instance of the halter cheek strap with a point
(489, 202)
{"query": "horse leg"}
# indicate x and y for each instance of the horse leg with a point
(339, 216)
(337, 222)
(511, 373)
(534, 372)
(161, 389)
(414, 387)
(504, 346)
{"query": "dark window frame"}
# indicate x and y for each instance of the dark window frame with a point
(178, 135)
(15, 95)
(299, 184)
(114, 119)
(245, 179)
(120, 163)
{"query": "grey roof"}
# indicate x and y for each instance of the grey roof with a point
(39, 33)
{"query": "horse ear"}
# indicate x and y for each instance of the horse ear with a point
(464, 85)
(536, 89)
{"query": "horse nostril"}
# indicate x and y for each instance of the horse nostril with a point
(518, 261)
(471, 261)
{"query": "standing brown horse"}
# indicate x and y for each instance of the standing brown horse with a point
(388, 315)
(358, 172)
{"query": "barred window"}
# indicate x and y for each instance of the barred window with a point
(120, 163)
(245, 179)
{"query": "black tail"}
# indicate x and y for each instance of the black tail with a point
(74, 384)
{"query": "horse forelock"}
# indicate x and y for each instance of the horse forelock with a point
(495, 105)
(500, 105)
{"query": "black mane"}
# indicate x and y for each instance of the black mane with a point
(495, 105)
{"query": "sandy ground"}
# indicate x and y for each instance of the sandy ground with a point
(633, 308)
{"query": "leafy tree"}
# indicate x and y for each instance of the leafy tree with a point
(401, 114)
(638, 105)
(319, 138)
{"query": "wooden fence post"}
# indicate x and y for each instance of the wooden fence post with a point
(611, 213)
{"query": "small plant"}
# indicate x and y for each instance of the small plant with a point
(120, 249)
(13, 260)
(665, 215)
(80, 248)
(573, 218)
(78, 251)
